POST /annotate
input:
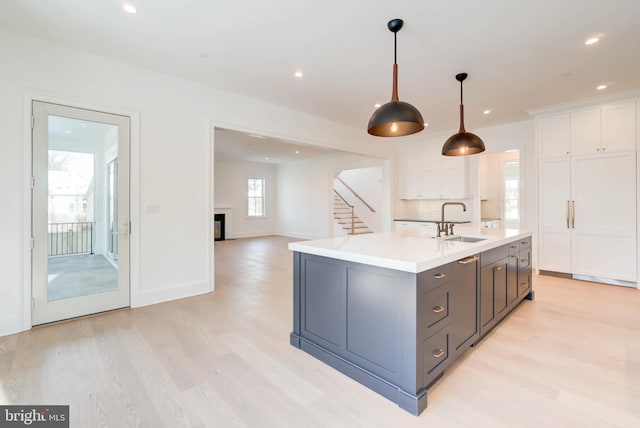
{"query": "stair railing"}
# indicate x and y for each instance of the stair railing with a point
(355, 194)
(353, 214)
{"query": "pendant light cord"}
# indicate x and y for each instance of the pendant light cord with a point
(395, 48)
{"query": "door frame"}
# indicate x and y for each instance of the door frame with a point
(134, 193)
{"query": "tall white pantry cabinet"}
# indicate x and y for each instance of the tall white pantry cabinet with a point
(587, 190)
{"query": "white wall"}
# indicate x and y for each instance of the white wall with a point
(305, 195)
(231, 193)
(171, 199)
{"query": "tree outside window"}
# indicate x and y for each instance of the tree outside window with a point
(256, 197)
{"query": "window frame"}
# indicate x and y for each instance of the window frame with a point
(262, 198)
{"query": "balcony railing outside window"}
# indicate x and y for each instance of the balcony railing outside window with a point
(70, 238)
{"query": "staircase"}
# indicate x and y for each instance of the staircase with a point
(343, 212)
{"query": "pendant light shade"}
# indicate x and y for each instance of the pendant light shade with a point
(463, 143)
(395, 118)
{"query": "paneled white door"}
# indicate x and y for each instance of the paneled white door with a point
(80, 212)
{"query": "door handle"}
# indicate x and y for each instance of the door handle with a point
(498, 268)
(469, 260)
(568, 209)
(573, 214)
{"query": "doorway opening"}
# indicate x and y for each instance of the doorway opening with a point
(500, 189)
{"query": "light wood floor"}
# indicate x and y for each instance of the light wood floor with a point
(571, 358)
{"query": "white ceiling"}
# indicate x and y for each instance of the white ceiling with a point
(519, 54)
(234, 145)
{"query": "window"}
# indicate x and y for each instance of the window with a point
(256, 197)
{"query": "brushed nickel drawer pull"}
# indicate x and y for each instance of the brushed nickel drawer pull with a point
(438, 309)
(514, 247)
(439, 276)
(524, 243)
(498, 268)
(438, 353)
(469, 260)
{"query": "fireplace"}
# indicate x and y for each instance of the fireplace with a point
(218, 227)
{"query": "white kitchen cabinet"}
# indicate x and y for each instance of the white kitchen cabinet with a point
(587, 194)
(586, 131)
(554, 187)
(603, 216)
(424, 227)
(425, 174)
(607, 128)
(619, 126)
(553, 135)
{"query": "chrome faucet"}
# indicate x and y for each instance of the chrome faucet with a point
(443, 227)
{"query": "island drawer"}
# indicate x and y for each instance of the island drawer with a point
(435, 355)
(514, 248)
(434, 278)
(433, 310)
(525, 243)
(489, 257)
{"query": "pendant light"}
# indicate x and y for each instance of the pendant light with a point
(463, 143)
(395, 118)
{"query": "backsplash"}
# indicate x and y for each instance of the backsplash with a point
(430, 209)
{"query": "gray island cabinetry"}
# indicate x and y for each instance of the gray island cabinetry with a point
(394, 323)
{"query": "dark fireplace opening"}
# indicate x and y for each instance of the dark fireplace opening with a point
(218, 227)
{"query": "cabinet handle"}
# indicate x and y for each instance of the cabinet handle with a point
(498, 268)
(438, 353)
(439, 276)
(470, 260)
(524, 261)
(514, 247)
(524, 243)
(573, 214)
(568, 209)
(438, 309)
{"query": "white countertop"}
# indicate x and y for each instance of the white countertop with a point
(409, 250)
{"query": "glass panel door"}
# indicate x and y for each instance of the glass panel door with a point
(77, 209)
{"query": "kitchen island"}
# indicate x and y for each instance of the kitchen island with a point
(393, 310)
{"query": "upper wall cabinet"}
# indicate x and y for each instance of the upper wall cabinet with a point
(606, 128)
(554, 135)
(618, 126)
(423, 173)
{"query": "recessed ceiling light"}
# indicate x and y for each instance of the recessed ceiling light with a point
(591, 40)
(298, 74)
(487, 111)
(67, 132)
(129, 8)
(377, 105)
(601, 87)
(297, 152)
(426, 124)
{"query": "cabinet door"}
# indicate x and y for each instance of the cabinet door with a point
(454, 178)
(500, 288)
(487, 314)
(431, 181)
(586, 134)
(604, 218)
(553, 133)
(410, 185)
(554, 215)
(464, 309)
(619, 126)
(512, 279)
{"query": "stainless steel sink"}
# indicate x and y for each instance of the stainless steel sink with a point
(465, 239)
